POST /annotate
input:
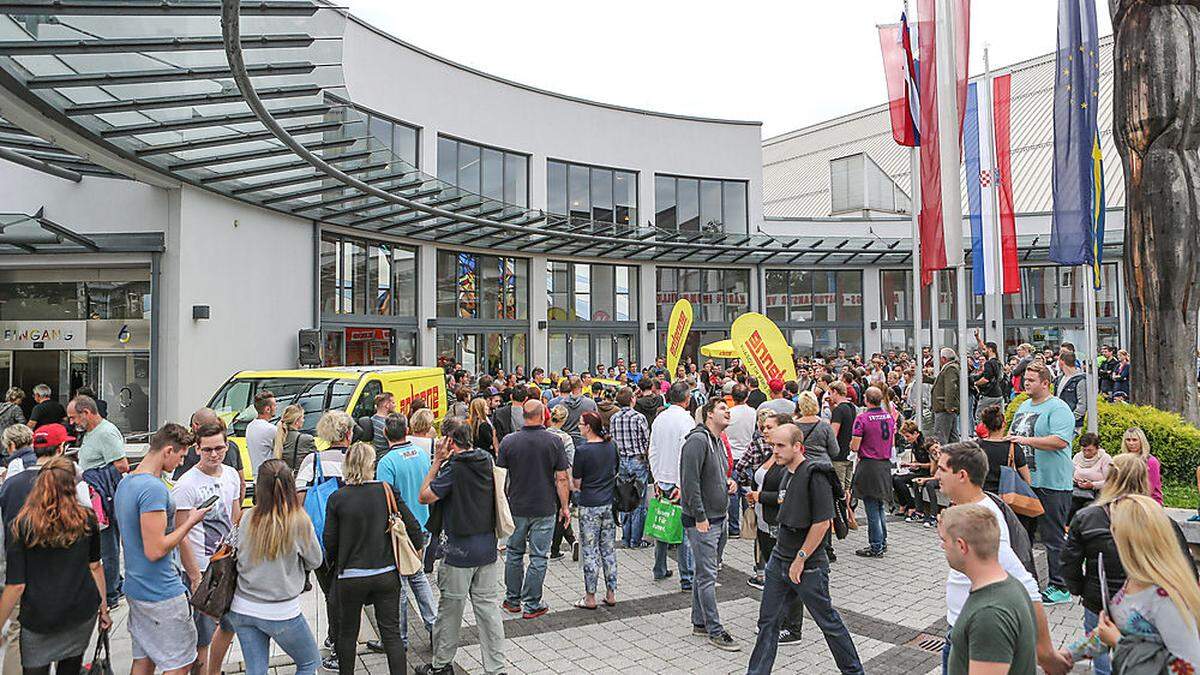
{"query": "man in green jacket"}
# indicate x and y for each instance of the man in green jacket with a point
(945, 399)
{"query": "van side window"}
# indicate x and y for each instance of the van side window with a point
(365, 406)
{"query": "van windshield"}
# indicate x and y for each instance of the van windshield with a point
(234, 403)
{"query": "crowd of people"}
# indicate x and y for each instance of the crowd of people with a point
(525, 469)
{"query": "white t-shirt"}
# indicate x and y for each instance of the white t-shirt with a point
(331, 466)
(740, 431)
(958, 585)
(260, 442)
(191, 490)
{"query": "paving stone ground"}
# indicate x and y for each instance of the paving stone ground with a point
(888, 603)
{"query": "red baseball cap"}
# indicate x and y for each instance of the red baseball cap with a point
(776, 384)
(51, 435)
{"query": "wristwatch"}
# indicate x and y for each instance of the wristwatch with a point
(801, 555)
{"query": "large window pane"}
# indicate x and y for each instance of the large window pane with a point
(896, 293)
(558, 288)
(447, 160)
(583, 292)
(776, 295)
(665, 202)
(689, 204)
(735, 207)
(737, 293)
(800, 296)
(379, 280)
(625, 197)
(1106, 297)
(581, 354)
(558, 352)
(354, 260)
(329, 268)
(711, 217)
(404, 144)
(602, 195)
(603, 293)
(621, 279)
(404, 281)
(579, 191)
(520, 288)
(556, 188)
(469, 285)
(850, 296)
(1071, 292)
(492, 178)
(516, 179)
(668, 291)
(468, 167)
(447, 286)
(824, 296)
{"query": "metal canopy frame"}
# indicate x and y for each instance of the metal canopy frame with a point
(22, 233)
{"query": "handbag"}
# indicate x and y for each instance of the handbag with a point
(664, 521)
(1015, 492)
(214, 594)
(749, 524)
(408, 561)
(504, 520)
(317, 496)
(101, 660)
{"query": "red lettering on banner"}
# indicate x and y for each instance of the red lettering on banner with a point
(676, 338)
(762, 358)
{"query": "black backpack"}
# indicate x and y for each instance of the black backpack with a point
(841, 517)
(628, 493)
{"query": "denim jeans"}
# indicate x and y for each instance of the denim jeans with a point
(945, 427)
(735, 512)
(1051, 527)
(292, 635)
(523, 586)
(597, 539)
(1101, 664)
(110, 556)
(422, 591)
(813, 590)
(634, 522)
(876, 523)
(706, 554)
(683, 552)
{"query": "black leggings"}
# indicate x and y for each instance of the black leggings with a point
(70, 665)
(795, 611)
(561, 532)
(383, 592)
(325, 580)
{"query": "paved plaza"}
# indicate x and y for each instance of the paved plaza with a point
(890, 605)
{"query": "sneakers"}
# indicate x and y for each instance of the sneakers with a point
(831, 555)
(916, 517)
(787, 637)
(510, 608)
(755, 582)
(428, 669)
(375, 646)
(329, 643)
(668, 575)
(1055, 596)
(535, 613)
(699, 630)
(725, 642)
(931, 522)
(330, 662)
(685, 587)
(1194, 519)
(575, 552)
(868, 552)
(556, 555)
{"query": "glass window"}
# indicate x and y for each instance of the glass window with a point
(583, 292)
(492, 173)
(356, 256)
(379, 280)
(625, 197)
(404, 281)
(1071, 291)
(467, 284)
(468, 167)
(329, 274)
(404, 143)
(896, 293)
(602, 195)
(603, 292)
(447, 160)
(824, 296)
(1106, 297)
(712, 299)
(556, 188)
(668, 291)
(735, 207)
(406, 348)
(558, 290)
(558, 352)
(626, 287)
(579, 192)
(664, 202)
(737, 293)
(800, 296)
(516, 179)
(850, 295)
(688, 196)
(711, 217)
(776, 295)
(447, 285)
(581, 355)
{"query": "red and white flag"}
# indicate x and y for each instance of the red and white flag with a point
(899, 69)
(1001, 111)
(943, 37)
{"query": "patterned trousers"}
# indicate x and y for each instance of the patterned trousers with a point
(597, 542)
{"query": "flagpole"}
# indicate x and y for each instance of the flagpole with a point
(994, 195)
(914, 164)
(935, 331)
(1091, 351)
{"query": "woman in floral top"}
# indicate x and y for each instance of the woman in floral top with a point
(1160, 602)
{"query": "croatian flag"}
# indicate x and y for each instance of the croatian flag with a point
(993, 256)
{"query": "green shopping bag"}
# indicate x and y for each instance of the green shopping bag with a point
(664, 521)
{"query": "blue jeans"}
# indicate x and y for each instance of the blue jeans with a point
(422, 591)
(521, 586)
(1102, 664)
(706, 551)
(876, 523)
(292, 635)
(683, 552)
(110, 557)
(779, 592)
(735, 512)
(634, 522)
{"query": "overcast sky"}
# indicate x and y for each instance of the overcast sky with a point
(787, 65)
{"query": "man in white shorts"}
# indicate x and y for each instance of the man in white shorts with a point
(160, 619)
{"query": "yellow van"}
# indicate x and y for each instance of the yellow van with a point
(319, 390)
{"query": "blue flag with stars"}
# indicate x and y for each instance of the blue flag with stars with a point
(1078, 170)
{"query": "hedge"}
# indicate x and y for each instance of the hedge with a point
(1173, 441)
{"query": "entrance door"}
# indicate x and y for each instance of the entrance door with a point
(33, 367)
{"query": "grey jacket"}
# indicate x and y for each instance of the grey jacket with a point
(703, 468)
(279, 579)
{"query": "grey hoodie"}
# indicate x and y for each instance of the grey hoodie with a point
(576, 406)
(279, 579)
(703, 468)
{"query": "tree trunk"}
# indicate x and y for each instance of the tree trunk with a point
(1156, 126)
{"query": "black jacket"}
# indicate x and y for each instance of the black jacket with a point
(1090, 535)
(356, 532)
(502, 421)
(649, 406)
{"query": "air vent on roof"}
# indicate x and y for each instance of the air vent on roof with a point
(856, 183)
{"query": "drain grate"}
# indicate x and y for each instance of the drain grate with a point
(927, 643)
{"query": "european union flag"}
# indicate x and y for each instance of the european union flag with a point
(1078, 171)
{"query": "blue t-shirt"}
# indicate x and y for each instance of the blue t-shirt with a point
(596, 468)
(475, 550)
(146, 580)
(404, 467)
(1049, 469)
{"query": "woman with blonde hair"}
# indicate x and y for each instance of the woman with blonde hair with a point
(558, 417)
(54, 572)
(358, 546)
(820, 443)
(291, 444)
(481, 426)
(277, 547)
(1135, 442)
(1158, 606)
(420, 429)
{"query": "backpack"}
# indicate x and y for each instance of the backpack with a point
(841, 517)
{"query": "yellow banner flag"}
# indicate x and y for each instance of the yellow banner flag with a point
(677, 333)
(764, 351)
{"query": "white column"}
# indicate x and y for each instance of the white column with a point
(539, 341)
(648, 312)
(872, 313)
(426, 304)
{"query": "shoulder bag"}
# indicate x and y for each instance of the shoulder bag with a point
(214, 594)
(504, 519)
(1015, 492)
(317, 496)
(408, 561)
(101, 659)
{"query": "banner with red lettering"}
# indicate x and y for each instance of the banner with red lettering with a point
(677, 333)
(764, 351)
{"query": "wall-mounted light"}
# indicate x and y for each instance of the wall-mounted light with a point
(993, 323)
(874, 325)
(201, 312)
(649, 325)
(431, 323)
(542, 325)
